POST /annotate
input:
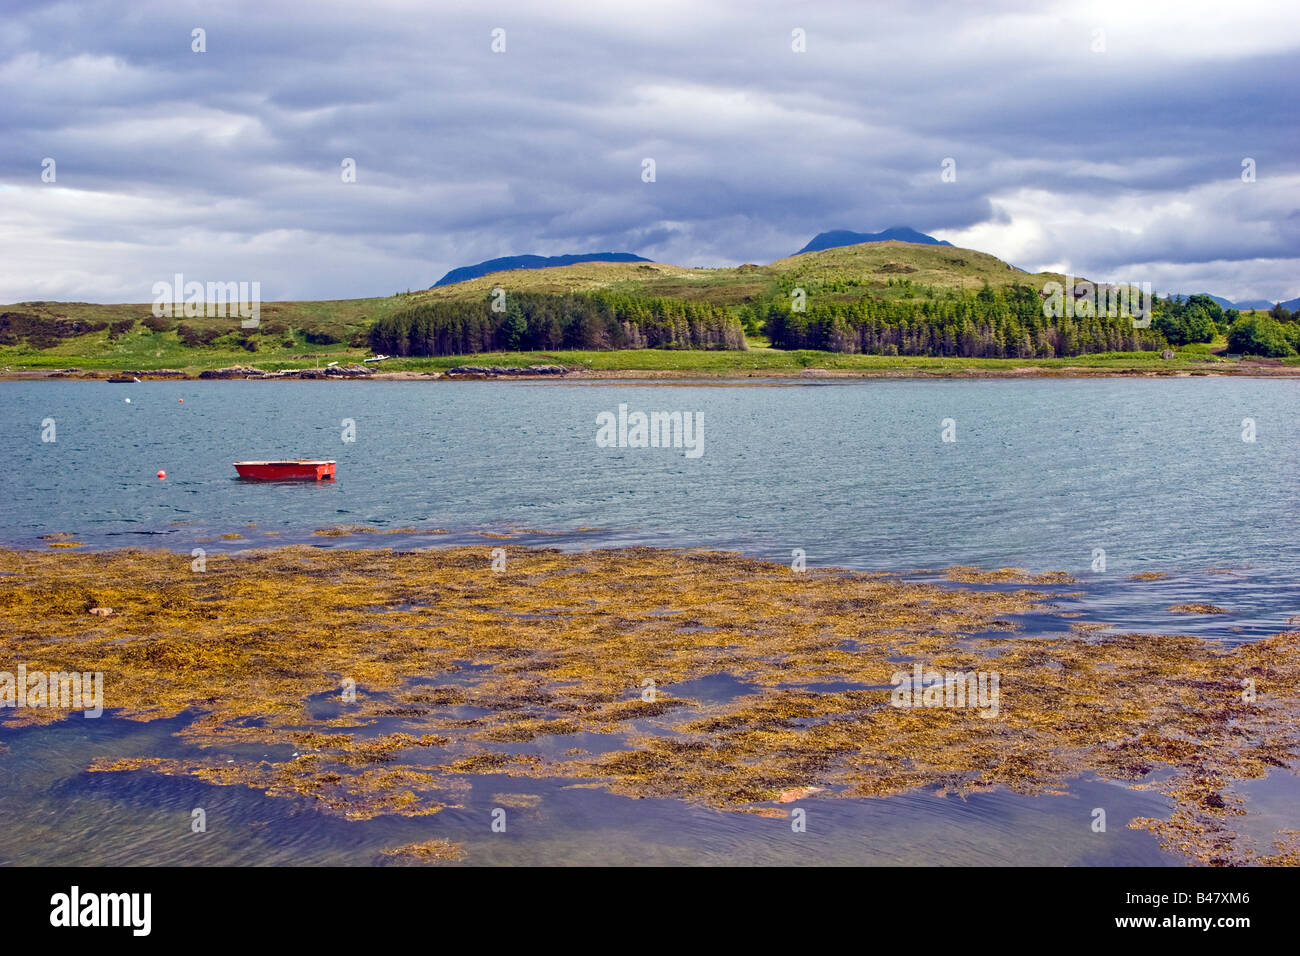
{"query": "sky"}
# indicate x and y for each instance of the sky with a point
(1103, 139)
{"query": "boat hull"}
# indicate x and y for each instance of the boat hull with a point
(286, 470)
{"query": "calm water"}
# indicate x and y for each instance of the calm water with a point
(1042, 474)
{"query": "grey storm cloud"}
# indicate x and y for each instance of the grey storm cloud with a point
(1118, 162)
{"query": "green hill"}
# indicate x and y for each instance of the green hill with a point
(846, 271)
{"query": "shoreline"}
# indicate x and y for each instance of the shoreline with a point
(724, 375)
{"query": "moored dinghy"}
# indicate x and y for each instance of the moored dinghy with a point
(303, 469)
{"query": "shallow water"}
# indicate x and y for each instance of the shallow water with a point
(1154, 472)
(56, 813)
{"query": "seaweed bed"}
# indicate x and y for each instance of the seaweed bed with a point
(461, 670)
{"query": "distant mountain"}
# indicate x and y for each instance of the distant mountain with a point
(1246, 304)
(842, 237)
(532, 262)
(1291, 304)
(1223, 303)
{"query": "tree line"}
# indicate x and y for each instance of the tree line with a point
(538, 322)
(1183, 320)
(992, 323)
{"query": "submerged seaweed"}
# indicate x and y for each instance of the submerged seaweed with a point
(395, 676)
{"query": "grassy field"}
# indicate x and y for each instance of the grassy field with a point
(291, 334)
(757, 360)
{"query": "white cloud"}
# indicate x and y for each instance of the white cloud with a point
(1125, 236)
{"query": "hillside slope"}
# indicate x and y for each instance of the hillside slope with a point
(848, 271)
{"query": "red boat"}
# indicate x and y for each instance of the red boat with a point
(305, 469)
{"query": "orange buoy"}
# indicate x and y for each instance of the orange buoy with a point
(162, 475)
(180, 399)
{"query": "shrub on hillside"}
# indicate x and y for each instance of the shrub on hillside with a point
(194, 337)
(159, 323)
(327, 333)
(1259, 335)
(43, 332)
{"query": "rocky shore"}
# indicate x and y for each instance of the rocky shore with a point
(353, 371)
(250, 372)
